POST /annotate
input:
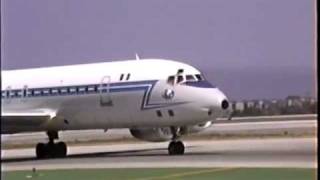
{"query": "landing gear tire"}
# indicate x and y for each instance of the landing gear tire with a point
(51, 150)
(41, 150)
(176, 148)
(61, 149)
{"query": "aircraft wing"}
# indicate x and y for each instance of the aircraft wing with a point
(23, 121)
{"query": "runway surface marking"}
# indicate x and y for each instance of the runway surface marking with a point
(179, 175)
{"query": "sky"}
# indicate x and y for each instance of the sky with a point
(250, 49)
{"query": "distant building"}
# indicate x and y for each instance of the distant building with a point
(312, 101)
(239, 106)
(266, 104)
(258, 104)
(233, 105)
(309, 100)
(289, 105)
(249, 104)
(282, 103)
(294, 101)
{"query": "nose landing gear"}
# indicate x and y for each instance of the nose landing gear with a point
(176, 147)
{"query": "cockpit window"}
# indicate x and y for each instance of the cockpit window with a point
(170, 80)
(190, 78)
(199, 77)
(180, 79)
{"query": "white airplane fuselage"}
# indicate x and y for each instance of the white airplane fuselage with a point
(122, 94)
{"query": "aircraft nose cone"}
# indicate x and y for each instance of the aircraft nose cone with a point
(224, 104)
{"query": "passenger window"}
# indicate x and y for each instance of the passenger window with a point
(63, 90)
(82, 89)
(171, 113)
(72, 89)
(121, 77)
(128, 76)
(46, 91)
(54, 91)
(180, 79)
(91, 88)
(159, 114)
(37, 92)
(170, 80)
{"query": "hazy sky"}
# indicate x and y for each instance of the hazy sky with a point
(248, 48)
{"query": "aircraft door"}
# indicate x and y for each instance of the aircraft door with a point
(104, 91)
(8, 94)
(24, 93)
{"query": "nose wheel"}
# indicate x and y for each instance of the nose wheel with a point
(176, 147)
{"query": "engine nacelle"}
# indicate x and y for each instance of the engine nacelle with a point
(152, 134)
(195, 128)
(165, 134)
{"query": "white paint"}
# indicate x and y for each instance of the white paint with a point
(95, 111)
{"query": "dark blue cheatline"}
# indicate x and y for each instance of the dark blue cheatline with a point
(145, 86)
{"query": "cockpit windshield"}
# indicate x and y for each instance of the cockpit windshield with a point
(199, 77)
(190, 78)
(179, 79)
(171, 80)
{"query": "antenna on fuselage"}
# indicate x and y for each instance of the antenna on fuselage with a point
(137, 56)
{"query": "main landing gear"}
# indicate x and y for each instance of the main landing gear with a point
(51, 149)
(176, 147)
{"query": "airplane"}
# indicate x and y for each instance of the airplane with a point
(156, 99)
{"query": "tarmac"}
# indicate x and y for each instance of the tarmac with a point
(270, 152)
(279, 152)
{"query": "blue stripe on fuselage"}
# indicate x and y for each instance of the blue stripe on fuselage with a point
(146, 86)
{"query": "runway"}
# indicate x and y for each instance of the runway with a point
(269, 152)
(228, 128)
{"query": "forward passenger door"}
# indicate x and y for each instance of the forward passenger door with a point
(104, 91)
